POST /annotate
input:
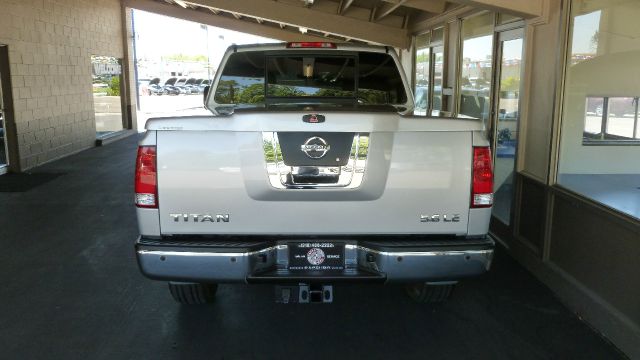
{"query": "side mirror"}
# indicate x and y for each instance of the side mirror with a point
(205, 92)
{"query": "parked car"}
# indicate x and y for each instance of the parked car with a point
(189, 86)
(305, 181)
(197, 87)
(181, 86)
(170, 87)
(203, 84)
(154, 87)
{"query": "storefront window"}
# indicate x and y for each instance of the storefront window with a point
(107, 75)
(422, 76)
(438, 73)
(600, 143)
(429, 73)
(476, 70)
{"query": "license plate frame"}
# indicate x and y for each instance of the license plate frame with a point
(316, 256)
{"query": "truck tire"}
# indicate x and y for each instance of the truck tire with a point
(193, 294)
(429, 293)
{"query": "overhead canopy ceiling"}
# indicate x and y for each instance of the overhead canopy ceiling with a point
(384, 22)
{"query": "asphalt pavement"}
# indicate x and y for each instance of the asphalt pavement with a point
(71, 289)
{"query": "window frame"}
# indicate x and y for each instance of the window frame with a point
(431, 46)
(460, 53)
(552, 177)
(604, 120)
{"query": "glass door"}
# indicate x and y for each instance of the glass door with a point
(422, 80)
(107, 102)
(438, 73)
(506, 118)
(3, 134)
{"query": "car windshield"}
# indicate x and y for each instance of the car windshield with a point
(260, 79)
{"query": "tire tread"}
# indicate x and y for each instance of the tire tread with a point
(193, 294)
(428, 293)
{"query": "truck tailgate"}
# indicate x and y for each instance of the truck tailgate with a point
(218, 180)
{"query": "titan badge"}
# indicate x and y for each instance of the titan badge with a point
(437, 218)
(200, 218)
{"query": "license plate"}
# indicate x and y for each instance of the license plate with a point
(311, 256)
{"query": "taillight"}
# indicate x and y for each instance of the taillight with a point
(311, 44)
(146, 178)
(482, 189)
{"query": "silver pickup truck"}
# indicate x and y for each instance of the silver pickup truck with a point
(310, 172)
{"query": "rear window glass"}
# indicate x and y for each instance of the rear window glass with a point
(311, 76)
(258, 78)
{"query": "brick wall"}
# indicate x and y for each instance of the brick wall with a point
(50, 45)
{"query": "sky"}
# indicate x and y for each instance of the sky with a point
(158, 35)
(584, 27)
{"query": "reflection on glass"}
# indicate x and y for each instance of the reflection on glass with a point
(3, 145)
(245, 90)
(621, 113)
(601, 104)
(610, 119)
(475, 82)
(293, 76)
(507, 127)
(300, 79)
(422, 81)
(107, 73)
(593, 118)
(438, 66)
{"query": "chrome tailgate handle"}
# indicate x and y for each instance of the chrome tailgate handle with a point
(283, 176)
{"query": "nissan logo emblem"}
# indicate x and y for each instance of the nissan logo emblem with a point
(315, 147)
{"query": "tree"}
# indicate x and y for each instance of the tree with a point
(114, 86)
(594, 40)
(187, 58)
(226, 92)
(252, 94)
(284, 91)
(510, 84)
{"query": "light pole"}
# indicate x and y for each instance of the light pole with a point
(206, 30)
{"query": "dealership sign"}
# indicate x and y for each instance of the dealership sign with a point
(106, 69)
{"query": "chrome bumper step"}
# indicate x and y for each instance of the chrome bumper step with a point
(364, 263)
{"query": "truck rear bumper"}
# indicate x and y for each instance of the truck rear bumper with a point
(374, 261)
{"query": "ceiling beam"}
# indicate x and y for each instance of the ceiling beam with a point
(432, 6)
(372, 14)
(523, 8)
(181, 3)
(405, 21)
(387, 8)
(230, 23)
(312, 19)
(430, 22)
(343, 6)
